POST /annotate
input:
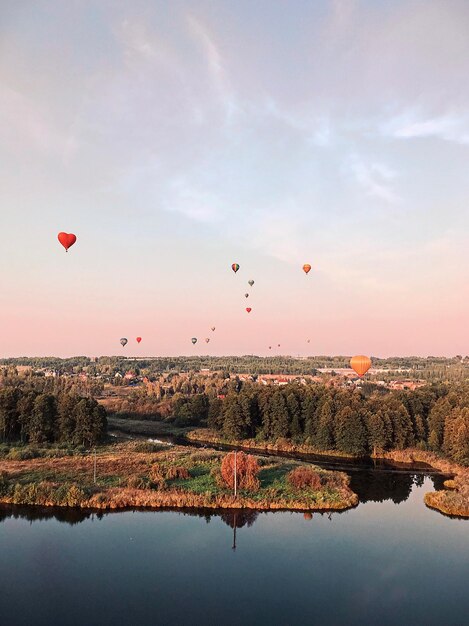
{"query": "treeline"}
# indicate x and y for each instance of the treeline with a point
(351, 421)
(429, 368)
(31, 416)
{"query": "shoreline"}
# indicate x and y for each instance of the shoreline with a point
(129, 499)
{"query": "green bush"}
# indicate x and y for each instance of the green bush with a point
(24, 453)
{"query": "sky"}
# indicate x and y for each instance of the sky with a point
(177, 138)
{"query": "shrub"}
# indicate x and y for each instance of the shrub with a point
(334, 480)
(247, 469)
(148, 446)
(137, 482)
(3, 483)
(304, 478)
(174, 472)
(157, 476)
(75, 496)
(23, 454)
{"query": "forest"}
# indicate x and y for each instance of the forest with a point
(358, 422)
(31, 413)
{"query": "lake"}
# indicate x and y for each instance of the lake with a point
(389, 561)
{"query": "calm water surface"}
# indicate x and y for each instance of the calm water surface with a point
(389, 561)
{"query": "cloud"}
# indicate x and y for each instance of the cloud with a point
(409, 125)
(215, 65)
(374, 178)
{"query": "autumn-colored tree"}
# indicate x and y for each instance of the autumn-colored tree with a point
(247, 469)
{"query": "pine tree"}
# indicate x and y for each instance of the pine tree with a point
(323, 437)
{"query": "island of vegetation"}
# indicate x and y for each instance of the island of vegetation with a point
(146, 474)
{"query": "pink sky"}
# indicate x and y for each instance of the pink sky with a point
(176, 141)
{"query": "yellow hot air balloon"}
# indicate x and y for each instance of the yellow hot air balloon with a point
(361, 364)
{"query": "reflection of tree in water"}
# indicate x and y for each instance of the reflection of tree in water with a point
(37, 513)
(381, 486)
(237, 518)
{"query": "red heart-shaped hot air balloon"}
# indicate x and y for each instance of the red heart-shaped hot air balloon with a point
(67, 240)
(139, 339)
(248, 309)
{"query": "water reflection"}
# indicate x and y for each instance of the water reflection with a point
(369, 485)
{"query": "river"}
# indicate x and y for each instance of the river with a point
(391, 560)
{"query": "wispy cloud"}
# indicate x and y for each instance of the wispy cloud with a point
(374, 178)
(215, 65)
(448, 127)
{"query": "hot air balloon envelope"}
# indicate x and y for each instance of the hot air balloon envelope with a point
(361, 364)
(66, 239)
(235, 267)
(246, 295)
(306, 268)
(123, 341)
(194, 340)
(248, 309)
(207, 340)
(251, 282)
(139, 339)
(213, 328)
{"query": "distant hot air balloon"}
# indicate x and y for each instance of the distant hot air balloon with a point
(270, 347)
(67, 240)
(194, 340)
(248, 309)
(251, 282)
(278, 345)
(361, 364)
(308, 515)
(123, 341)
(309, 340)
(235, 267)
(306, 268)
(207, 340)
(139, 339)
(213, 328)
(246, 295)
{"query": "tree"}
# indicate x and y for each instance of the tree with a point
(247, 470)
(323, 437)
(350, 434)
(43, 418)
(279, 426)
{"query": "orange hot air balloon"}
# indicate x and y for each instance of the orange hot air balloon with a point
(361, 364)
(248, 309)
(308, 515)
(306, 268)
(139, 339)
(67, 240)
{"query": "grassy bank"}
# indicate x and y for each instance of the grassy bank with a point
(141, 474)
(147, 428)
(205, 435)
